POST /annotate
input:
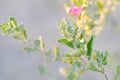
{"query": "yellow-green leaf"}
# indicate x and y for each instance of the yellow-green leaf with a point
(66, 42)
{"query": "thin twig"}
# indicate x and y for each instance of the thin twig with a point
(106, 78)
(84, 61)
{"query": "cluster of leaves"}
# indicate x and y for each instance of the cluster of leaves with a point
(76, 41)
(81, 49)
(93, 15)
(14, 30)
(80, 34)
(100, 61)
(18, 32)
(38, 45)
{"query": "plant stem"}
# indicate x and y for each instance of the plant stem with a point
(106, 78)
(84, 61)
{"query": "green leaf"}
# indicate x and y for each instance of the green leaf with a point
(92, 67)
(56, 52)
(89, 47)
(24, 34)
(100, 5)
(20, 27)
(13, 22)
(3, 27)
(42, 46)
(82, 34)
(48, 53)
(78, 64)
(101, 58)
(66, 42)
(68, 28)
(62, 25)
(42, 69)
(117, 72)
(74, 32)
(81, 38)
(68, 56)
(71, 76)
(78, 52)
(37, 43)
(12, 29)
(80, 2)
(105, 57)
(74, 68)
(28, 49)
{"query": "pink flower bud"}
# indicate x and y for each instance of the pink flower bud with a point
(75, 10)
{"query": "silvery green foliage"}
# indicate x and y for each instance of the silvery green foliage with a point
(78, 35)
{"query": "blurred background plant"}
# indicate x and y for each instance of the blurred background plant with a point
(86, 20)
